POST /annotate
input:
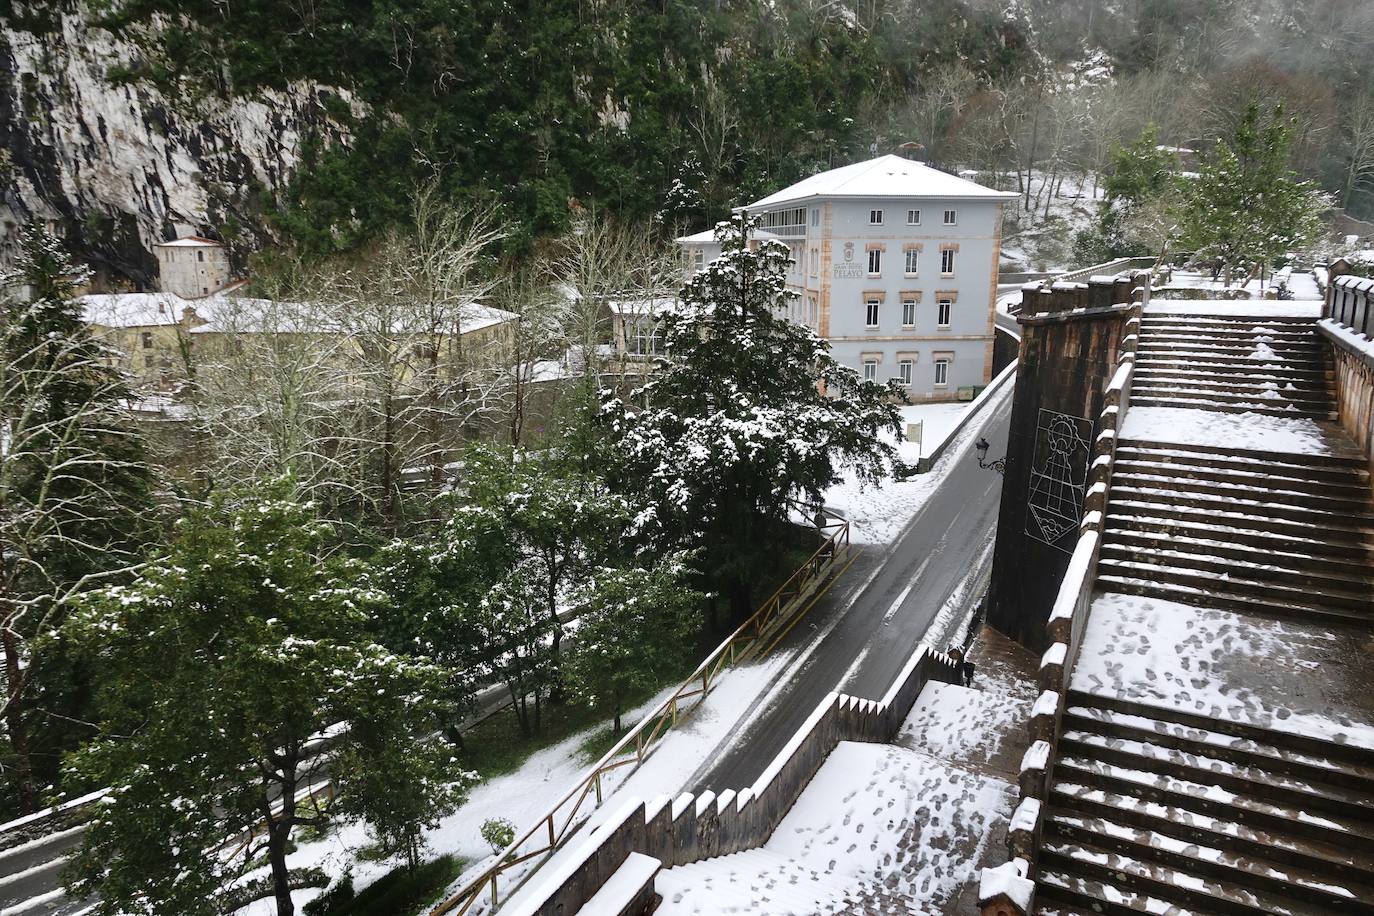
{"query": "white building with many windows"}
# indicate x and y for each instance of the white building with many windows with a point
(895, 264)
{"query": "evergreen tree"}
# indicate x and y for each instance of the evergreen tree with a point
(223, 665)
(747, 412)
(72, 480)
(1246, 207)
(636, 627)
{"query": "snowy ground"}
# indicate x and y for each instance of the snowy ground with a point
(1034, 241)
(1205, 428)
(878, 514)
(1229, 666)
(882, 824)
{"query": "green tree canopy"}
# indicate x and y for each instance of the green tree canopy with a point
(746, 413)
(225, 666)
(1246, 207)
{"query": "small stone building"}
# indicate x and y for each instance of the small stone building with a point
(192, 267)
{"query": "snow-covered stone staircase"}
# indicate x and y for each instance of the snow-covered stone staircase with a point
(1216, 752)
(1147, 811)
(1288, 534)
(1266, 365)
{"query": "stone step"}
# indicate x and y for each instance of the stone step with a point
(1239, 358)
(1306, 611)
(1242, 518)
(1316, 401)
(1251, 370)
(1240, 872)
(1350, 569)
(1339, 862)
(1260, 351)
(1176, 331)
(1280, 462)
(1264, 508)
(1197, 895)
(1208, 769)
(1259, 407)
(1226, 381)
(1269, 754)
(1158, 477)
(1290, 322)
(1289, 572)
(1206, 798)
(1344, 473)
(1066, 894)
(1242, 387)
(1340, 753)
(1345, 550)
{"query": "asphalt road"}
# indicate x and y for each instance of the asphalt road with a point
(863, 631)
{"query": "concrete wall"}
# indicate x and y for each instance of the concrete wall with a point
(693, 827)
(1071, 336)
(1349, 326)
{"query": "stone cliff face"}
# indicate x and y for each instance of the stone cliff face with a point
(119, 167)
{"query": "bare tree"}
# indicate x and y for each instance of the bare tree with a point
(1358, 126)
(409, 310)
(605, 259)
(71, 473)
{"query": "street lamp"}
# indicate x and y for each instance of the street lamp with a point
(999, 465)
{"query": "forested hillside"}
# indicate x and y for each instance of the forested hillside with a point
(675, 108)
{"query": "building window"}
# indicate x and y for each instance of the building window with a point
(813, 312)
(647, 338)
(815, 216)
(147, 340)
(913, 217)
(870, 370)
(951, 217)
(913, 255)
(941, 372)
(947, 261)
(943, 310)
(875, 261)
(786, 220)
(815, 262)
(904, 369)
(698, 258)
(871, 313)
(875, 217)
(200, 256)
(908, 313)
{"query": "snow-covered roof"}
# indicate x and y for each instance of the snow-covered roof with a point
(886, 176)
(190, 241)
(708, 237)
(218, 313)
(132, 310)
(654, 306)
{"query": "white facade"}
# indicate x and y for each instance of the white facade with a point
(895, 264)
(192, 267)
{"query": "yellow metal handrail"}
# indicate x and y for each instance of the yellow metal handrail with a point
(549, 832)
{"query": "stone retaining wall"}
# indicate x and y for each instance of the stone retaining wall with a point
(700, 826)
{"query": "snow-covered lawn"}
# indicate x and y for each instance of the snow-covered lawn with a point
(936, 421)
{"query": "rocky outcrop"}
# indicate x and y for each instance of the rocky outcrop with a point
(121, 166)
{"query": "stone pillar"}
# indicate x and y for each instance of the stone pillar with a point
(1070, 337)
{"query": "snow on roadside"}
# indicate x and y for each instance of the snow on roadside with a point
(1190, 426)
(878, 514)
